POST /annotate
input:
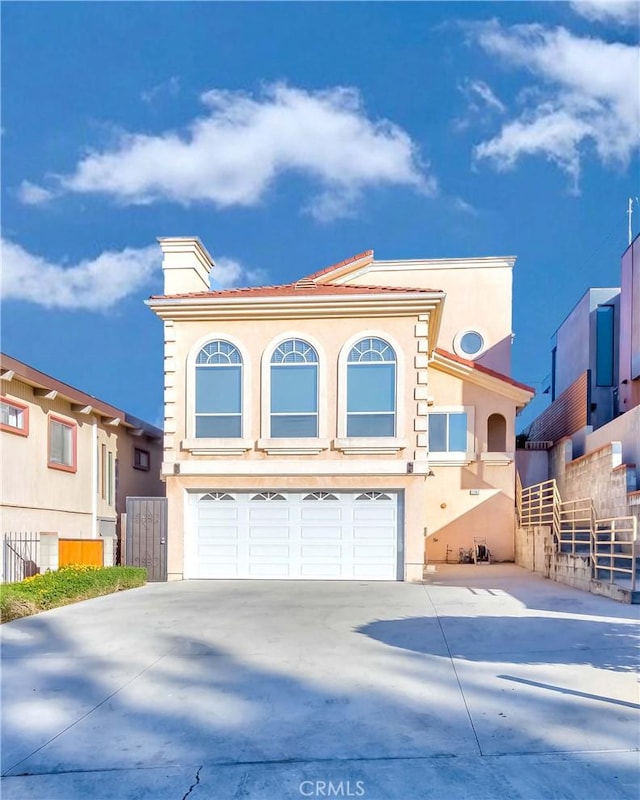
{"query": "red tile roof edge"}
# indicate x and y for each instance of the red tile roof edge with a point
(492, 372)
(293, 289)
(344, 263)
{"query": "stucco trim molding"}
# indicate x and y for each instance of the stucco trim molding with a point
(216, 447)
(359, 446)
(451, 459)
(292, 447)
(330, 468)
(497, 459)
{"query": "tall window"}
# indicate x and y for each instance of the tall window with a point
(294, 390)
(219, 391)
(604, 345)
(62, 444)
(371, 389)
(448, 432)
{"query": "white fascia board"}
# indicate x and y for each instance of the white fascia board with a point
(494, 384)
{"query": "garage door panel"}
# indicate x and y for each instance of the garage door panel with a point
(217, 512)
(322, 551)
(269, 571)
(211, 533)
(269, 514)
(327, 571)
(269, 551)
(320, 533)
(374, 512)
(221, 551)
(321, 512)
(334, 536)
(374, 533)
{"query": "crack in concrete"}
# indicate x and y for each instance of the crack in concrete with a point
(193, 785)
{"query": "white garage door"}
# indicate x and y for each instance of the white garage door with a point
(310, 535)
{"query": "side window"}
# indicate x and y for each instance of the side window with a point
(448, 432)
(218, 406)
(62, 445)
(294, 390)
(496, 434)
(14, 417)
(371, 389)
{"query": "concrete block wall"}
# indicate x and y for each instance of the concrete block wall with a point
(599, 474)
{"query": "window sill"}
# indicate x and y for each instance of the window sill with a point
(497, 459)
(451, 459)
(16, 431)
(293, 447)
(216, 447)
(63, 467)
(369, 445)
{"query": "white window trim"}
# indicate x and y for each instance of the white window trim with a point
(457, 339)
(497, 459)
(359, 445)
(217, 446)
(297, 446)
(455, 458)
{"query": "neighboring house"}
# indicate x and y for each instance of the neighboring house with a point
(350, 425)
(69, 460)
(589, 437)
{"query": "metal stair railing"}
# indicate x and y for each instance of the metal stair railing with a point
(615, 539)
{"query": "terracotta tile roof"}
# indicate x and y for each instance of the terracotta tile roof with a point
(351, 260)
(494, 374)
(302, 288)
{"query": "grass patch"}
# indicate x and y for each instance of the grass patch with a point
(67, 585)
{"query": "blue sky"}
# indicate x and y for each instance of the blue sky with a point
(289, 136)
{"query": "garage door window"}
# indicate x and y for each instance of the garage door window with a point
(294, 390)
(219, 391)
(371, 389)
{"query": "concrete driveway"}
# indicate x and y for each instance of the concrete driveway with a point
(487, 682)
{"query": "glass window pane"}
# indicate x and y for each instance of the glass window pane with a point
(223, 427)
(11, 416)
(294, 389)
(458, 433)
(438, 433)
(370, 424)
(471, 343)
(305, 426)
(218, 389)
(604, 346)
(371, 387)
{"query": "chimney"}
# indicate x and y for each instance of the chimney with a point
(186, 265)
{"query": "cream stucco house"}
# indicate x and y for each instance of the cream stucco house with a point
(68, 460)
(353, 425)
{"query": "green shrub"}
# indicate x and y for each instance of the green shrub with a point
(69, 584)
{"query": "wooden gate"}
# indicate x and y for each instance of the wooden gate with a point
(146, 536)
(81, 551)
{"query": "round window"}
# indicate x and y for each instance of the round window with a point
(469, 343)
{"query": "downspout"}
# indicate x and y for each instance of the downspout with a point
(94, 479)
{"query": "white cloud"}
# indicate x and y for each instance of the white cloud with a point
(32, 195)
(234, 152)
(624, 12)
(91, 285)
(99, 283)
(483, 91)
(229, 273)
(170, 88)
(589, 98)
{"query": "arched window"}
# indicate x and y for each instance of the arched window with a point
(496, 434)
(294, 390)
(371, 389)
(218, 391)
